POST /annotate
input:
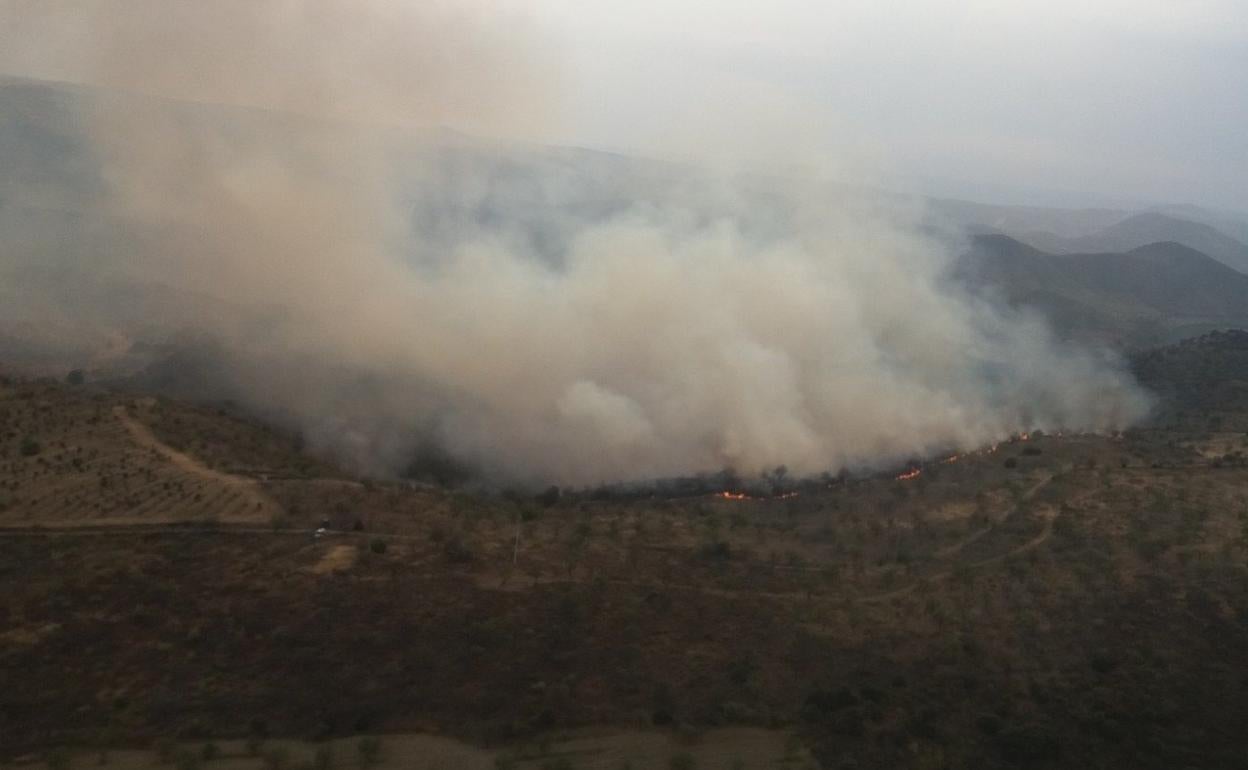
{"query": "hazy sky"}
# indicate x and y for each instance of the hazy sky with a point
(1055, 101)
(1109, 99)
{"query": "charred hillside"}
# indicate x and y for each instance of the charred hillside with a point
(1060, 601)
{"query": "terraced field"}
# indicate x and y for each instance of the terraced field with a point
(75, 458)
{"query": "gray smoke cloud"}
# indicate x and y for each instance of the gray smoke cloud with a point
(270, 170)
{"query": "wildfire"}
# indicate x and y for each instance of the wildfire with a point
(726, 495)
(910, 474)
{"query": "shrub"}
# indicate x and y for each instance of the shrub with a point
(30, 447)
(164, 748)
(682, 761)
(1029, 743)
(369, 748)
(548, 497)
(209, 752)
(76, 377)
(253, 746)
(57, 759)
(1011, 462)
(456, 551)
(187, 760)
(377, 545)
(276, 758)
(323, 758)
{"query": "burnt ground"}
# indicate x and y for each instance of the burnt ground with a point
(1073, 601)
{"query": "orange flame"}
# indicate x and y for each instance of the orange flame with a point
(725, 495)
(910, 474)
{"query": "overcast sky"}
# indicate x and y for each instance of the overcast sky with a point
(1109, 100)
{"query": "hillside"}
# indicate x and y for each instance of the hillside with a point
(1144, 229)
(1062, 600)
(1136, 298)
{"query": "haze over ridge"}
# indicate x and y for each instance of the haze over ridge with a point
(693, 324)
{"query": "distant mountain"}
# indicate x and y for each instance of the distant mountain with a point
(1147, 295)
(1142, 229)
(1013, 220)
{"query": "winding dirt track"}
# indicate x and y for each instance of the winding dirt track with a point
(1031, 544)
(132, 528)
(260, 506)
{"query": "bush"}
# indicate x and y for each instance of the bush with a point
(716, 550)
(187, 760)
(682, 761)
(370, 750)
(1011, 462)
(323, 758)
(164, 748)
(1030, 743)
(57, 759)
(504, 762)
(209, 752)
(549, 497)
(377, 545)
(456, 551)
(30, 447)
(76, 377)
(253, 746)
(276, 758)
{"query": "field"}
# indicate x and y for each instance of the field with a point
(590, 749)
(1071, 600)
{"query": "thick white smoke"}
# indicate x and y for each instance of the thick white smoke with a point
(542, 314)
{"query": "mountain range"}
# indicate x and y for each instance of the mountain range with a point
(1125, 278)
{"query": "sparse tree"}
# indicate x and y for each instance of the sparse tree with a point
(57, 759)
(369, 749)
(323, 758)
(187, 760)
(682, 761)
(276, 758)
(164, 749)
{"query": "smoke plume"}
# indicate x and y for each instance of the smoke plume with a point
(278, 178)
